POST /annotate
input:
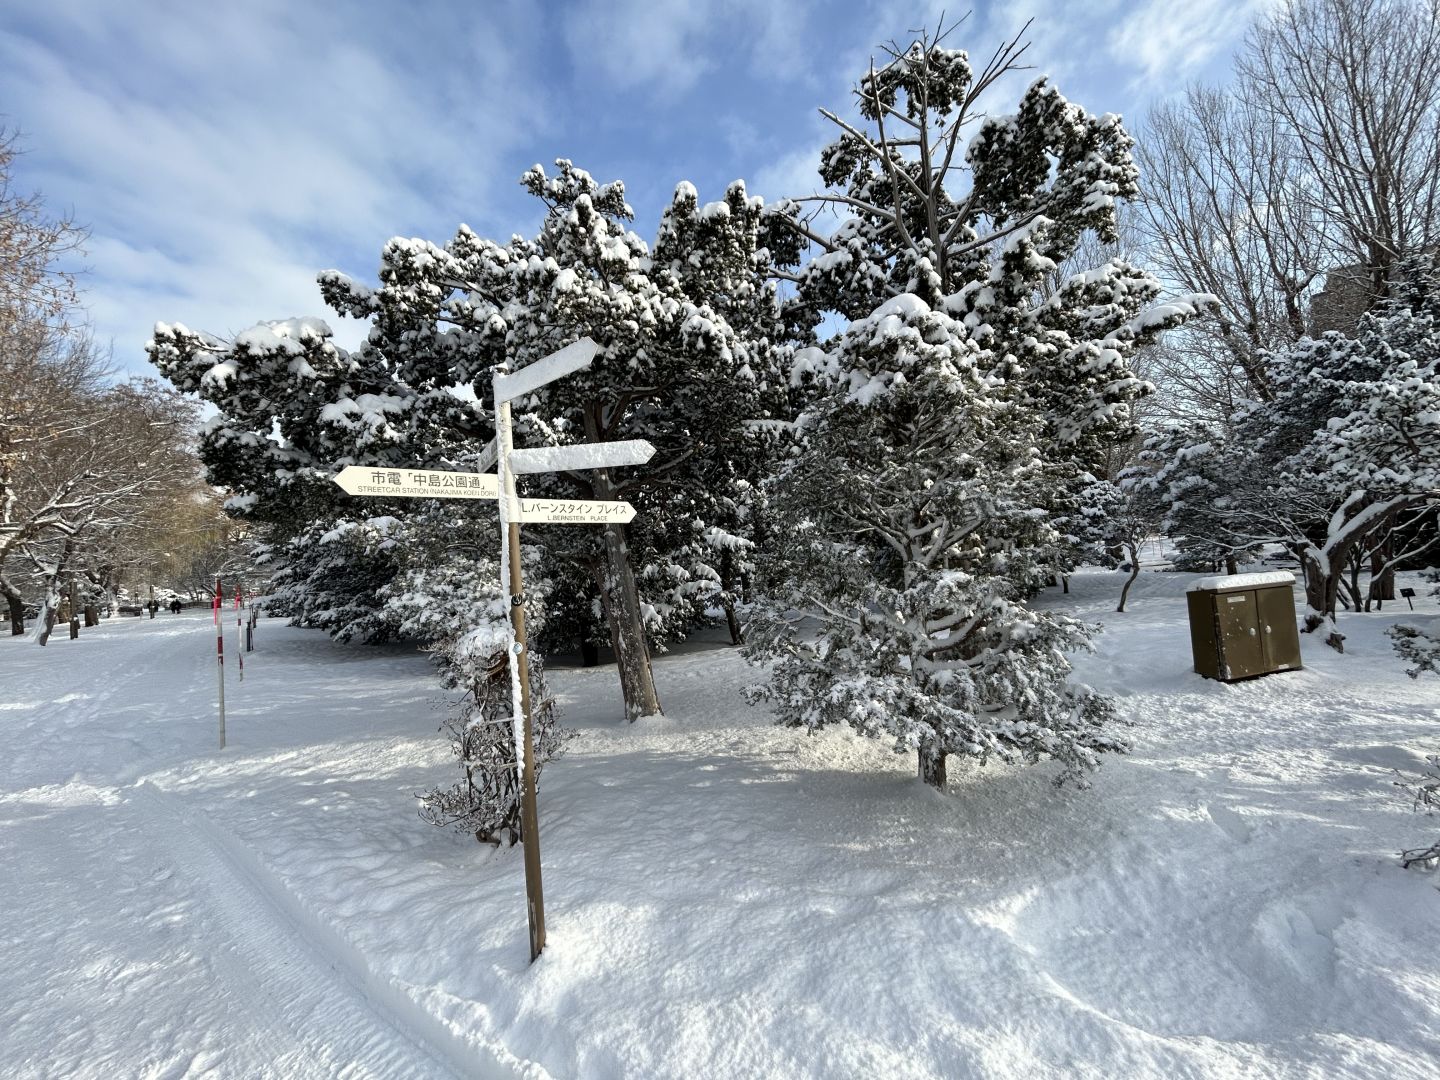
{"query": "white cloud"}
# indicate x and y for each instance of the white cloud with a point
(793, 174)
(634, 43)
(1171, 40)
(222, 155)
(670, 47)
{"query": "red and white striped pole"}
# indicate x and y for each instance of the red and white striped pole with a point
(220, 658)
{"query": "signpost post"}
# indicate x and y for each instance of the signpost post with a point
(513, 511)
(500, 485)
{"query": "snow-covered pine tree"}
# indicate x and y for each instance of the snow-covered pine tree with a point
(1111, 522)
(1192, 476)
(915, 502)
(330, 576)
(954, 412)
(670, 370)
(294, 407)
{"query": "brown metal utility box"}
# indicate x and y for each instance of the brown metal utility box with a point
(1243, 625)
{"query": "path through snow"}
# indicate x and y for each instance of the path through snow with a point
(725, 898)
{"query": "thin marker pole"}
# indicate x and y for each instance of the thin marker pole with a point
(220, 658)
(509, 507)
(239, 635)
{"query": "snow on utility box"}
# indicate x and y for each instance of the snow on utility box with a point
(1243, 625)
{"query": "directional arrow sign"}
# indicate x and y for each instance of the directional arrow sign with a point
(604, 455)
(575, 511)
(574, 357)
(487, 458)
(417, 483)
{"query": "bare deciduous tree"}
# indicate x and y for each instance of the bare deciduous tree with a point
(1353, 85)
(1227, 210)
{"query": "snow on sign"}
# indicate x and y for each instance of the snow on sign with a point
(606, 455)
(417, 483)
(575, 511)
(574, 357)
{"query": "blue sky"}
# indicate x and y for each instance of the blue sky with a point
(221, 154)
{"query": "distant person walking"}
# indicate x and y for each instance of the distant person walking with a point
(176, 606)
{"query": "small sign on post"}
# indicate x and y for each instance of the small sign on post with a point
(575, 511)
(1409, 595)
(417, 483)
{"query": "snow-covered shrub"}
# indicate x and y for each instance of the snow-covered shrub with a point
(1418, 644)
(447, 595)
(486, 799)
(1425, 789)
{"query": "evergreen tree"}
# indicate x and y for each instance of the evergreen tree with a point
(295, 407)
(671, 370)
(952, 417)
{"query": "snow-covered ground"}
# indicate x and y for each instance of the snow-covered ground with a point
(725, 898)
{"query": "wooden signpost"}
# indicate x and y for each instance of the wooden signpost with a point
(515, 511)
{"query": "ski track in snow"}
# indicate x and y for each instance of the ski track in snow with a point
(725, 898)
(185, 956)
(316, 993)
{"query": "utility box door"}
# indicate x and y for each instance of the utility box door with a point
(1204, 644)
(1276, 608)
(1241, 645)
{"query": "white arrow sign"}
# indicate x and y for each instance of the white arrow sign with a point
(417, 483)
(605, 455)
(575, 511)
(574, 357)
(486, 461)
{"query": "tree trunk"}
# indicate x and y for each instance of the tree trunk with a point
(932, 767)
(48, 616)
(589, 654)
(1382, 575)
(737, 635)
(1232, 565)
(16, 603)
(1322, 594)
(74, 611)
(92, 615)
(728, 584)
(632, 654)
(622, 602)
(1134, 573)
(627, 625)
